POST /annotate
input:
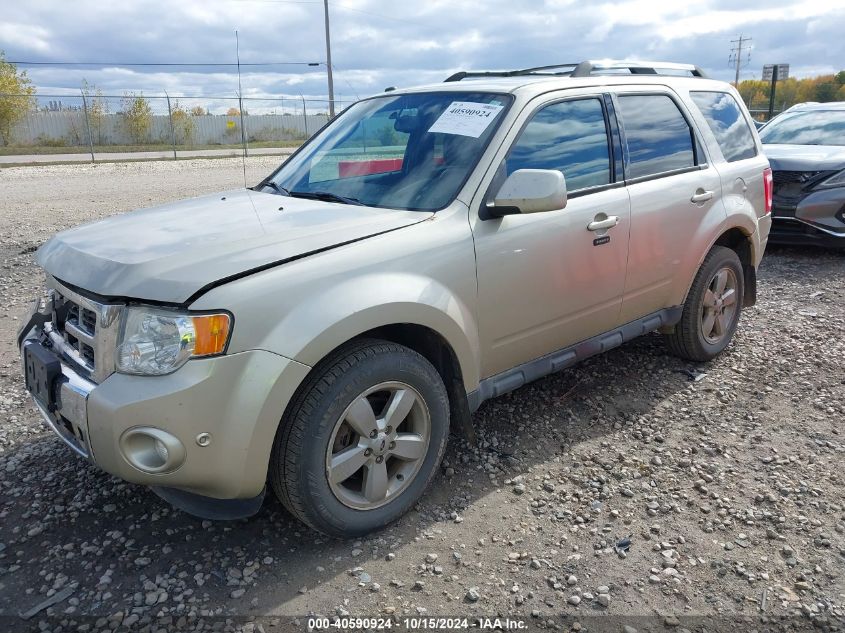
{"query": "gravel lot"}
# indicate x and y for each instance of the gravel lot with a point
(727, 479)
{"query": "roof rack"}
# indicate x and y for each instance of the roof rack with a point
(587, 69)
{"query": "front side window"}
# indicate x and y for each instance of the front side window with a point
(412, 151)
(658, 136)
(571, 137)
(811, 127)
(725, 120)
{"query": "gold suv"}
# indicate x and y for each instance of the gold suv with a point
(429, 249)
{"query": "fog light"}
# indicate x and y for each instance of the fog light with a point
(152, 450)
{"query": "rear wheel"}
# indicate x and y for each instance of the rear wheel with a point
(712, 309)
(362, 440)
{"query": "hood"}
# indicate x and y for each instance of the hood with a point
(805, 157)
(168, 253)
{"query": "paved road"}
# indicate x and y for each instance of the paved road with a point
(113, 156)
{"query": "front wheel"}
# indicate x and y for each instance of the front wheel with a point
(362, 440)
(711, 311)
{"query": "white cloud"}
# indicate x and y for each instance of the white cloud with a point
(379, 43)
(25, 37)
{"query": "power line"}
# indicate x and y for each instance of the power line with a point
(128, 64)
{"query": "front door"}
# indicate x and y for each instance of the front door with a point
(548, 280)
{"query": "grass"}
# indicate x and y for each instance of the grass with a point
(19, 150)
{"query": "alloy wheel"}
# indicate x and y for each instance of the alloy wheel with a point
(378, 445)
(719, 306)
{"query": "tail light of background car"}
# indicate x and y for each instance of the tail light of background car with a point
(767, 188)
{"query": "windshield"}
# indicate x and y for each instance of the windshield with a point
(412, 151)
(814, 127)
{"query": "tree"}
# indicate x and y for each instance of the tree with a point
(790, 91)
(137, 116)
(183, 127)
(233, 112)
(17, 98)
(198, 111)
(98, 110)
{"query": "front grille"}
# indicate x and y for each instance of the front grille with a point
(77, 325)
(791, 186)
(784, 177)
(82, 331)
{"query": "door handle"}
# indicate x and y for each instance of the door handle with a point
(701, 195)
(600, 225)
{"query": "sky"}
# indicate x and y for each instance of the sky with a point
(379, 43)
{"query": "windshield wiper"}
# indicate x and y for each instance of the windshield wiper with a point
(325, 196)
(272, 185)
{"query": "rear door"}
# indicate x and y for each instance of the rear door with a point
(735, 152)
(675, 197)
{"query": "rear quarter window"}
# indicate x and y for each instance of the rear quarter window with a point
(725, 119)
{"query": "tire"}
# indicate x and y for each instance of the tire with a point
(704, 331)
(323, 438)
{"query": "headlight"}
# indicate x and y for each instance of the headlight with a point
(836, 180)
(154, 341)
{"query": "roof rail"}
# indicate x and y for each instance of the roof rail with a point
(587, 69)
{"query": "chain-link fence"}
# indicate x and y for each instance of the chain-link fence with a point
(134, 122)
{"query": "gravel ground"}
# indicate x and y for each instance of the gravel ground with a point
(725, 478)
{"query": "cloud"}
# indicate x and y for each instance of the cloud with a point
(379, 43)
(28, 38)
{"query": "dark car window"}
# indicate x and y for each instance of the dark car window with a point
(730, 128)
(659, 137)
(570, 136)
(810, 127)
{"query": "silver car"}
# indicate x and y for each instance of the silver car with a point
(321, 333)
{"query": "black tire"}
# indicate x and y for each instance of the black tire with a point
(299, 467)
(688, 340)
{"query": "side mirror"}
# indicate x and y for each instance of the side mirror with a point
(529, 191)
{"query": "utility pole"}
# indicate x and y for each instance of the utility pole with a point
(240, 105)
(329, 61)
(736, 54)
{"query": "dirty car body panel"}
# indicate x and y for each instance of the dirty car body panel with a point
(315, 257)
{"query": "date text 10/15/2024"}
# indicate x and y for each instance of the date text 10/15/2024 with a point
(415, 624)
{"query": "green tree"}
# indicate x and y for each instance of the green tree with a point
(98, 110)
(17, 98)
(137, 116)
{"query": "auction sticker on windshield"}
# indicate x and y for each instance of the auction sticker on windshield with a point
(465, 118)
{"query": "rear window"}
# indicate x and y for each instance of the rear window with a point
(658, 136)
(725, 120)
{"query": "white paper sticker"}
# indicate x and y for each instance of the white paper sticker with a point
(465, 118)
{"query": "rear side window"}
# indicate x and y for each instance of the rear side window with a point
(727, 124)
(659, 137)
(570, 136)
